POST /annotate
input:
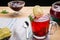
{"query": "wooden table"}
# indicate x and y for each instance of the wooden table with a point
(28, 11)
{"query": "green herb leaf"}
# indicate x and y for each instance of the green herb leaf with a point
(4, 12)
(31, 18)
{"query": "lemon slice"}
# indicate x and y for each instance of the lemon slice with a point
(4, 32)
(37, 11)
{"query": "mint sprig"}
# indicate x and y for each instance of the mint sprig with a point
(31, 18)
(4, 12)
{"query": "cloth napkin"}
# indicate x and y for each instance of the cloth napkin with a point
(19, 32)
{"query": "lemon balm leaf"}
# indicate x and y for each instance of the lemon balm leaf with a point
(4, 12)
(31, 18)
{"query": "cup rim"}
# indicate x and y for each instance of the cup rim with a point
(55, 3)
(17, 1)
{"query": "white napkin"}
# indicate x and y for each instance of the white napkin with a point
(19, 32)
(16, 26)
(6, 22)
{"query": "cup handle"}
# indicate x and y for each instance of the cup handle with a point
(53, 27)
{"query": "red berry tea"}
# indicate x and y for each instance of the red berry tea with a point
(17, 5)
(55, 12)
(40, 27)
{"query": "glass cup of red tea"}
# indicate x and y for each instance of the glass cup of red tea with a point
(55, 12)
(42, 26)
(16, 6)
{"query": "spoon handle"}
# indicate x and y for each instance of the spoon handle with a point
(27, 33)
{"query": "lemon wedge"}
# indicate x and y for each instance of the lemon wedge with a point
(37, 11)
(4, 32)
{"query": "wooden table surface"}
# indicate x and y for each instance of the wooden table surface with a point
(27, 11)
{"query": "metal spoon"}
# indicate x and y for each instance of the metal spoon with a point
(26, 25)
